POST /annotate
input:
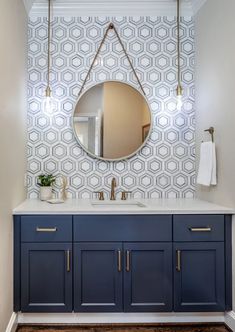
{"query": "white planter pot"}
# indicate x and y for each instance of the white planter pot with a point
(45, 193)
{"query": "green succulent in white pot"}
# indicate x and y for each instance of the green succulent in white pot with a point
(45, 181)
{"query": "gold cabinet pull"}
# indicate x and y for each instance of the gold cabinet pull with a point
(49, 230)
(200, 229)
(68, 260)
(128, 260)
(178, 266)
(119, 260)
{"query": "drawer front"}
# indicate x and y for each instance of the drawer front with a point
(123, 228)
(198, 228)
(46, 229)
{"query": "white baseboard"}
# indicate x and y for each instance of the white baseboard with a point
(12, 325)
(100, 318)
(230, 320)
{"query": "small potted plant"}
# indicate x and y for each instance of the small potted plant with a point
(45, 182)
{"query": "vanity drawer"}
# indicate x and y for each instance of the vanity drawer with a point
(111, 228)
(46, 228)
(198, 228)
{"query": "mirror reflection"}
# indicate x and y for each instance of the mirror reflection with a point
(112, 120)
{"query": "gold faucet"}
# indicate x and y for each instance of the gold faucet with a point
(113, 185)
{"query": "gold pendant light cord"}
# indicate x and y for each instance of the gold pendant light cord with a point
(49, 46)
(110, 27)
(178, 43)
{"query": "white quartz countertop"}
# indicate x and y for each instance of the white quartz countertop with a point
(151, 206)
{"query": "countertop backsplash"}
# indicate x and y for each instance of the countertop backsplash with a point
(165, 167)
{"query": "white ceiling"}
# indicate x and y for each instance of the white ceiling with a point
(113, 7)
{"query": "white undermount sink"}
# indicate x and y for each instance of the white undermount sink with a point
(117, 203)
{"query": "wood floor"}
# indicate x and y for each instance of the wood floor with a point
(119, 328)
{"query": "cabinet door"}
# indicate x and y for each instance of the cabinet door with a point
(148, 277)
(97, 277)
(199, 276)
(46, 277)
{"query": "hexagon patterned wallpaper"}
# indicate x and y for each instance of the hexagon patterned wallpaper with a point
(165, 167)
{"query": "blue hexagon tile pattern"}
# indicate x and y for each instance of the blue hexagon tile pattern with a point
(165, 167)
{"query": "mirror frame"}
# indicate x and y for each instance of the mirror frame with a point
(114, 159)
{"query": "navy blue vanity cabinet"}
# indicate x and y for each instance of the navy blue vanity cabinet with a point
(201, 277)
(148, 277)
(123, 263)
(98, 277)
(43, 263)
(46, 277)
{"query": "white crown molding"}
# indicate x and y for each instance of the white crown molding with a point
(112, 8)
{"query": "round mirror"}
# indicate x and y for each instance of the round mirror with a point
(112, 120)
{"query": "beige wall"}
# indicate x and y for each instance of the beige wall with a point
(215, 92)
(13, 34)
(215, 97)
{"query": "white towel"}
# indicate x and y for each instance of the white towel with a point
(207, 166)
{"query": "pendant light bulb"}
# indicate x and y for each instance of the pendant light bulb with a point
(49, 104)
(179, 96)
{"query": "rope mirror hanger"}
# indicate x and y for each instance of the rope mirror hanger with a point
(111, 27)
